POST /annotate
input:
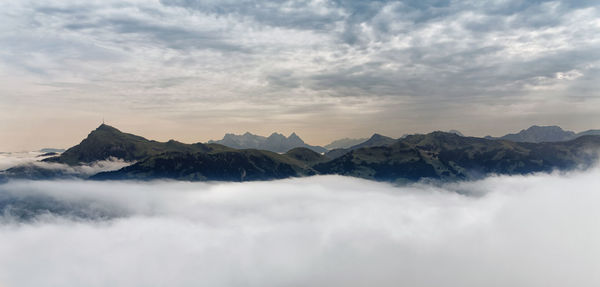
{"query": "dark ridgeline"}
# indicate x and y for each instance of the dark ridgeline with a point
(448, 156)
(437, 155)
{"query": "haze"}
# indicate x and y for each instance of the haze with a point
(194, 70)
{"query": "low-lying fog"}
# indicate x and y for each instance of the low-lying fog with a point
(29, 160)
(541, 230)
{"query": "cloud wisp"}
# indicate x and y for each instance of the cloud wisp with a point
(29, 165)
(538, 230)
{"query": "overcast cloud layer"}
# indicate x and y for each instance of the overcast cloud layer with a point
(193, 70)
(539, 230)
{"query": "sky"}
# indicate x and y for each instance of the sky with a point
(195, 70)
(536, 230)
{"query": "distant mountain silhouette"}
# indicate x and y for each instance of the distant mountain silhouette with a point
(374, 140)
(276, 142)
(344, 143)
(588, 133)
(538, 134)
(456, 132)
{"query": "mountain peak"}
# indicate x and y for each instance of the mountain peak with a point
(295, 137)
(105, 142)
(537, 133)
(276, 142)
(106, 128)
(547, 128)
(442, 133)
(375, 140)
(276, 135)
(456, 132)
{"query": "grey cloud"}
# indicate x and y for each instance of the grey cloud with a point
(173, 37)
(250, 60)
(279, 13)
(72, 10)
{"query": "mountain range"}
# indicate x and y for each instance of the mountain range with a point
(434, 156)
(448, 156)
(538, 134)
(276, 142)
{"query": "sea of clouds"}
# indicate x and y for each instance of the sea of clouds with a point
(537, 230)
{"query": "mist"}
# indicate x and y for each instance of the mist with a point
(539, 230)
(29, 165)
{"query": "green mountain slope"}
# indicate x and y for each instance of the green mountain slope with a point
(438, 155)
(448, 156)
(235, 165)
(106, 141)
(305, 156)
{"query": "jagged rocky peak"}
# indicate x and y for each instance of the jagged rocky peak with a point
(276, 142)
(294, 139)
(276, 135)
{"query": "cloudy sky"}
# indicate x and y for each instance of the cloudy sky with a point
(193, 70)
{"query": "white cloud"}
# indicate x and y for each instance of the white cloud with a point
(536, 230)
(10, 159)
(569, 75)
(31, 160)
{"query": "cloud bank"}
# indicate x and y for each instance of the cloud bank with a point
(539, 230)
(11, 159)
(29, 165)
